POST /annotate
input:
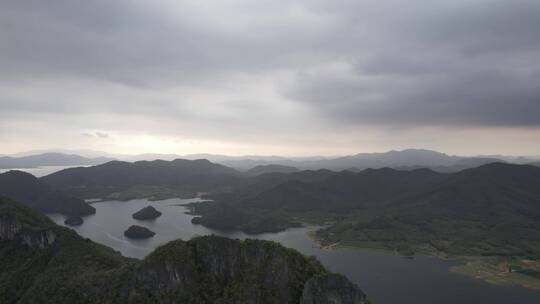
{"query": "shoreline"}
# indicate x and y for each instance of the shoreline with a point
(487, 269)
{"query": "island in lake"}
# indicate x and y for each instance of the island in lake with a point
(74, 221)
(138, 232)
(146, 213)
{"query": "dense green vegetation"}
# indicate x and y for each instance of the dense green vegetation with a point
(489, 211)
(27, 217)
(138, 232)
(503, 271)
(74, 221)
(146, 213)
(262, 169)
(226, 217)
(154, 179)
(44, 263)
(492, 210)
(153, 193)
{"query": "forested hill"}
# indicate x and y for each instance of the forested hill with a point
(492, 209)
(29, 190)
(117, 176)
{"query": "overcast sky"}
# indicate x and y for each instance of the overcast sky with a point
(270, 77)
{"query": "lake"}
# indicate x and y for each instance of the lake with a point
(386, 278)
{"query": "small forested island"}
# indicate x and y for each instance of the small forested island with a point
(196, 220)
(138, 232)
(147, 213)
(41, 262)
(74, 221)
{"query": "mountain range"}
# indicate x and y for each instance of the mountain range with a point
(404, 159)
(276, 197)
(118, 176)
(409, 158)
(491, 209)
(262, 169)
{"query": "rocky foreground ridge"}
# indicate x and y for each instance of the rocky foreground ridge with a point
(41, 262)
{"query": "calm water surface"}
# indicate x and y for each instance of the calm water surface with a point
(387, 279)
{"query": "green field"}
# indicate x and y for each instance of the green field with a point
(525, 273)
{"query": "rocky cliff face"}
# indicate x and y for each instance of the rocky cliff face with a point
(9, 227)
(43, 263)
(229, 271)
(331, 289)
(13, 230)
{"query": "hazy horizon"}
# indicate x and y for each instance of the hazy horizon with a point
(100, 153)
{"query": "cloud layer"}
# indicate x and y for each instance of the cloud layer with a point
(286, 76)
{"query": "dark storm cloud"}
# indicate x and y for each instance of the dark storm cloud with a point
(115, 41)
(415, 96)
(422, 63)
(463, 63)
(143, 43)
(487, 26)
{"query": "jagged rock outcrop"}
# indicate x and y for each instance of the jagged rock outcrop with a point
(9, 227)
(12, 228)
(44, 263)
(331, 289)
(229, 271)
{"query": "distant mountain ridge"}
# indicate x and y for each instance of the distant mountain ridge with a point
(49, 159)
(404, 159)
(117, 176)
(262, 169)
(409, 157)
